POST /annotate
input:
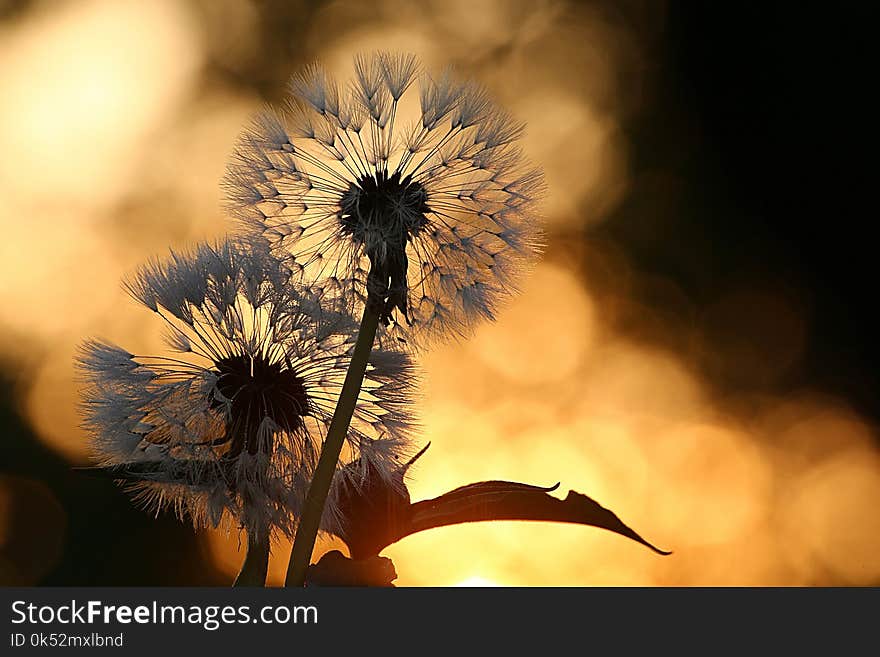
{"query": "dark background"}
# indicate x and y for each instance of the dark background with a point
(764, 113)
(759, 111)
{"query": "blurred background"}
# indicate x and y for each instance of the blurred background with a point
(696, 350)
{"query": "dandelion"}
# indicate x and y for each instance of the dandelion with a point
(229, 423)
(425, 222)
(428, 220)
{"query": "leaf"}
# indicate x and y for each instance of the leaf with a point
(502, 500)
(185, 473)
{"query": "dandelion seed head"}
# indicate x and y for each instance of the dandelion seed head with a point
(233, 417)
(432, 219)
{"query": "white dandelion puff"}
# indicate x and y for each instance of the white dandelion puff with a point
(431, 220)
(229, 423)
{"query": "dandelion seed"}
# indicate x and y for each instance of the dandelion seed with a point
(232, 420)
(432, 221)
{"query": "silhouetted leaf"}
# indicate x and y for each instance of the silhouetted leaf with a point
(503, 500)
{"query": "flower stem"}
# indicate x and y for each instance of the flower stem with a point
(307, 532)
(256, 562)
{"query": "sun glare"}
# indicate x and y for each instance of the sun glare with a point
(477, 582)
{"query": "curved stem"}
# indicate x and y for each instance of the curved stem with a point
(256, 562)
(307, 532)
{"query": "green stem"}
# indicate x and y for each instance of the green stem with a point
(256, 562)
(307, 532)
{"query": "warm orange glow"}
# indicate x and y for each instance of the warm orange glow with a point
(113, 143)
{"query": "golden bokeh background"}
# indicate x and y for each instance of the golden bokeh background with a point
(116, 120)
